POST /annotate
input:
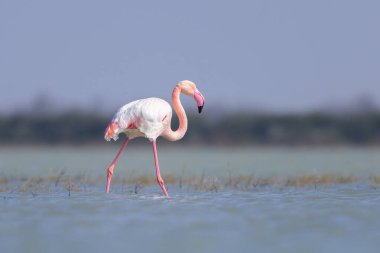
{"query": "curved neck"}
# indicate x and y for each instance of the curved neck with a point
(169, 134)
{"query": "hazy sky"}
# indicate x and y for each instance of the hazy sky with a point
(284, 55)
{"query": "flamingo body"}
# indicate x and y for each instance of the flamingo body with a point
(151, 118)
(141, 118)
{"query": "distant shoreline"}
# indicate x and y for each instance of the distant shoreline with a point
(240, 129)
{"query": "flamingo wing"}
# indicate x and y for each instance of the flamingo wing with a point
(142, 118)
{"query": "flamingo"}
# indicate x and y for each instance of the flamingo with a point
(151, 118)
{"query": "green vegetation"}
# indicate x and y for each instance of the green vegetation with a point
(315, 128)
(242, 128)
(73, 127)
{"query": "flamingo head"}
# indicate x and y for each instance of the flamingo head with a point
(112, 131)
(190, 89)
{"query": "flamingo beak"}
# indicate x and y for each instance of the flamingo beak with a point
(199, 99)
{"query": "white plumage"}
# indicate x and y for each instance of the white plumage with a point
(150, 118)
(142, 118)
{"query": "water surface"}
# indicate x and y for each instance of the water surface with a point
(333, 217)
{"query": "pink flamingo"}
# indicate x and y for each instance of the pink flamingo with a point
(151, 118)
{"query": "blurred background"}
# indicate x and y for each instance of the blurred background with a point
(283, 158)
(272, 72)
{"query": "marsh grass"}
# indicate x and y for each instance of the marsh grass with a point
(315, 180)
(133, 183)
(375, 180)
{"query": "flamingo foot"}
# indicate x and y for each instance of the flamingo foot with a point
(162, 185)
(158, 174)
(109, 176)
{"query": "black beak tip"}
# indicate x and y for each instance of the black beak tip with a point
(200, 108)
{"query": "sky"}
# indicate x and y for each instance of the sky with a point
(277, 55)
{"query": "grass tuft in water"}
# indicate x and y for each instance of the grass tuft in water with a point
(79, 183)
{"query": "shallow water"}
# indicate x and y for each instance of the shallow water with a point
(189, 160)
(327, 218)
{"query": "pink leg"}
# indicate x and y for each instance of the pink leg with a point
(112, 166)
(159, 178)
